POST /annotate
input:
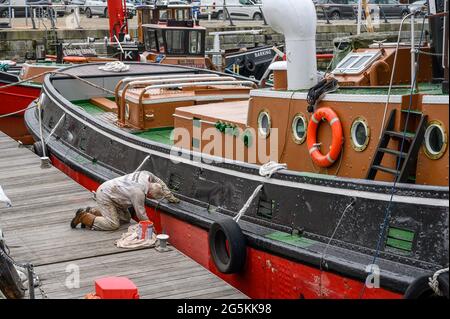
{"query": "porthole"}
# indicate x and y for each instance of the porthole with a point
(435, 141)
(360, 134)
(299, 128)
(264, 124)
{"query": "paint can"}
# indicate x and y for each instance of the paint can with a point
(145, 229)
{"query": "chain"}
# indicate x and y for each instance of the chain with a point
(41, 290)
(25, 266)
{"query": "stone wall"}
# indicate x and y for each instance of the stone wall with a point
(14, 43)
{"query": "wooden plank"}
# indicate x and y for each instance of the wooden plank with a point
(37, 230)
(105, 104)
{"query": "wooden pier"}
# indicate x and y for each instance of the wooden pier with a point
(37, 230)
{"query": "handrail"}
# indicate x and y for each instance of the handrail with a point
(151, 77)
(120, 101)
(168, 86)
(121, 106)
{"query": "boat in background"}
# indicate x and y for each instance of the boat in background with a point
(16, 97)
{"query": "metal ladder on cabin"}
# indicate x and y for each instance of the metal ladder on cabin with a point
(411, 147)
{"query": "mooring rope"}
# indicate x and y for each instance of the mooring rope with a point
(266, 170)
(57, 72)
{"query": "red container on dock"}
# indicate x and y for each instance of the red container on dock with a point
(116, 288)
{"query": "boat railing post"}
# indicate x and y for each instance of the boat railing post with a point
(30, 281)
(326, 15)
(229, 17)
(32, 16)
(413, 54)
(359, 17)
(76, 12)
(383, 13)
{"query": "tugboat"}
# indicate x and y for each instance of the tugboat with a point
(324, 188)
(171, 36)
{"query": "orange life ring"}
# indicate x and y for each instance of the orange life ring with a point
(336, 141)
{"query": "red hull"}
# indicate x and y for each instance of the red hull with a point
(265, 275)
(13, 99)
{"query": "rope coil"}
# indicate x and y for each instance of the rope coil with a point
(434, 283)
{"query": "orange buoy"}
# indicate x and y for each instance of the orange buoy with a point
(336, 142)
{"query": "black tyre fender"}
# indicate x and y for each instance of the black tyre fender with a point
(229, 258)
(250, 65)
(420, 288)
(38, 149)
(10, 283)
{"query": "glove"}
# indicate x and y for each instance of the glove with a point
(173, 199)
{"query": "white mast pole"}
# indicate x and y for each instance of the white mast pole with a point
(358, 28)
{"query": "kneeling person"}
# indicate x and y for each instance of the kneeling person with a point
(115, 197)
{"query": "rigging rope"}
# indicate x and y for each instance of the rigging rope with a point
(387, 215)
(391, 81)
(61, 73)
(266, 170)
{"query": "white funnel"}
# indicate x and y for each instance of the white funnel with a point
(296, 19)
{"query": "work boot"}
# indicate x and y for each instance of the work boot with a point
(92, 211)
(83, 217)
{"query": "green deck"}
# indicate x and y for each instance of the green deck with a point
(160, 135)
(423, 88)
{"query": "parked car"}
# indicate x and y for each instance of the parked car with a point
(60, 7)
(100, 8)
(19, 7)
(239, 9)
(391, 8)
(421, 7)
(336, 9)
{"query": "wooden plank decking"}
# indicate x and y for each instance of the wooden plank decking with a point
(37, 230)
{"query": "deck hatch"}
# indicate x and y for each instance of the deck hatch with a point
(400, 239)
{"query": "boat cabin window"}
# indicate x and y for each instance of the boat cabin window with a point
(360, 134)
(161, 42)
(150, 41)
(299, 128)
(175, 41)
(185, 42)
(435, 140)
(264, 123)
(355, 63)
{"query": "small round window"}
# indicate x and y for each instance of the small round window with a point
(264, 124)
(299, 127)
(435, 140)
(360, 134)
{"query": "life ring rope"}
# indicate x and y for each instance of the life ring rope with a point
(337, 137)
